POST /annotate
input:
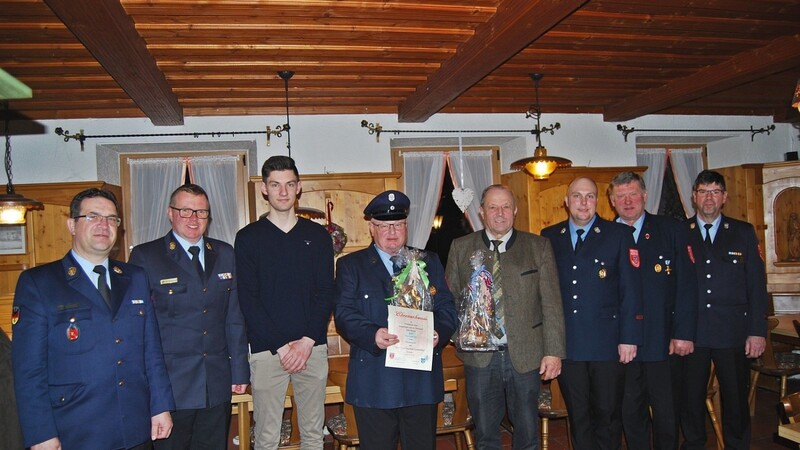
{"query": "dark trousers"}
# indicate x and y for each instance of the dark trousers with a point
(379, 429)
(648, 388)
(497, 388)
(593, 393)
(198, 429)
(733, 374)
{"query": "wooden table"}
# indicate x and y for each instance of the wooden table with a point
(790, 431)
(785, 331)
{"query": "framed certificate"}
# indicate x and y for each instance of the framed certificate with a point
(12, 239)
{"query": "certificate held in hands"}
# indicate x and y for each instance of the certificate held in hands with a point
(414, 329)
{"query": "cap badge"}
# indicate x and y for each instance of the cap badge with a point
(391, 197)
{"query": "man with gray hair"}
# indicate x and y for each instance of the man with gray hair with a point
(670, 317)
(530, 343)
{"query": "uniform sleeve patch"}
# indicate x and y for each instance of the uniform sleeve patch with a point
(634, 257)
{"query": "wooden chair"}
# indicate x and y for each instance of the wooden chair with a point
(711, 392)
(556, 410)
(345, 432)
(768, 365)
(791, 408)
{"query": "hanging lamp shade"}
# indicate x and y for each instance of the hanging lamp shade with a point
(13, 208)
(540, 166)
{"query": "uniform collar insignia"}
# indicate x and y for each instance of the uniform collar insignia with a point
(208, 245)
(72, 271)
(173, 245)
(725, 225)
(117, 270)
(692, 225)
(563, 230)
(596, 229)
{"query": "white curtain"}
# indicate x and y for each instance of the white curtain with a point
(656, 161)
(473, 170)
(424, 176)
(152, 182)
(218, 175)
(687, 163)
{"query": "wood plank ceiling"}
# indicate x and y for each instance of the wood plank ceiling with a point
(169, 59)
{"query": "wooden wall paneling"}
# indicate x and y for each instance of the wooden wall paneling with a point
(745, 196)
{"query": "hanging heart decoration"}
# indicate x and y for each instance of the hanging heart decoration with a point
(463, 197)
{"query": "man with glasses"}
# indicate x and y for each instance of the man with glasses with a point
(389, 403)
(530, 341)
(193, 286)
(89, 372)
(286, 288)
(731, 315)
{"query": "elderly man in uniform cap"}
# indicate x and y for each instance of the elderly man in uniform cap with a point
(389, 402)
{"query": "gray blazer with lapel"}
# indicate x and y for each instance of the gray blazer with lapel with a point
(532, 298)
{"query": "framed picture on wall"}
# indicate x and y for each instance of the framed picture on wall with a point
(12, 239)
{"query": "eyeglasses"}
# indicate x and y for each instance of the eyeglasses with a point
(113, 221)
(714, 192)
(187, 212)
(384, 227)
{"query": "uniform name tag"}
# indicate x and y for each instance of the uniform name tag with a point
(137, 302)
(169, 281)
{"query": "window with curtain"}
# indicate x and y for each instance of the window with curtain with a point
(151, 180)
(685, 161)
(423, 176)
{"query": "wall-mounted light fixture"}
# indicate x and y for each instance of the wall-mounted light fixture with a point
(540, 166)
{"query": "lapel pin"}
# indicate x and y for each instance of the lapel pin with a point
(72, 271)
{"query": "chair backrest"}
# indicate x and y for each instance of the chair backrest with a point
(340, 379)
(791, 408)
(454, 383)
(796, 324)
(768, 357)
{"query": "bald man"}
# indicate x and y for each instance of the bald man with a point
(598, 268)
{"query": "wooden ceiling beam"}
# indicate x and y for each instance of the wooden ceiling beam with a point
(515, 25)
(779, 55)
(109, 34)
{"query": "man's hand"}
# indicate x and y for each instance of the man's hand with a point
(435, 337)
(755, 346)
(626, 353)
(238, 388)
(50, 444)
(160, 426)
(680, 347)
(294, 360)
(550, 367)
(383, 339)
